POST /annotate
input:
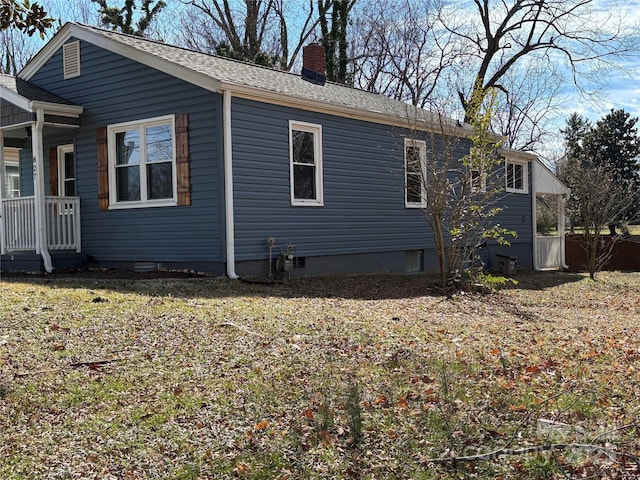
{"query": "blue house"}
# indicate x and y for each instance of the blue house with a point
(137, 154)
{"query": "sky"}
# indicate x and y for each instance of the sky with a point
(619, 90)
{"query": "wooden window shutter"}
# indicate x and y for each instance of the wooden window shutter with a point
(103, 169)
(53, 171)
(182, 159)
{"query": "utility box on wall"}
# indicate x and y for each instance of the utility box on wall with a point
(505, 264)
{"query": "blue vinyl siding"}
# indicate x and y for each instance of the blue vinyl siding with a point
(363, 174)
(363, 187)
(364, 209)
(517, 216)
(113, 89)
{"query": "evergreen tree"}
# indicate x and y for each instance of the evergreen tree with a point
(122, 18)
(602, 172)
(333, 29)
(577, 126)
(574, 133)
(614, 143)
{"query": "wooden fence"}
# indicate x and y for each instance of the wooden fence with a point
(625, 255)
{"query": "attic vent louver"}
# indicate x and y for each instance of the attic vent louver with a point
(313, 64)
(71, 59)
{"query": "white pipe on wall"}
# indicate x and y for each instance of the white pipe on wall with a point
(228, 186)
(2, 194)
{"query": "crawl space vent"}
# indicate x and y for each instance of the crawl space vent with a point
(71, 59)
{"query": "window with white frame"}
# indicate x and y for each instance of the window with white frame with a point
(66, 171)
(11, 172)
(305, 151)
(414, 172)
(12, 180)
(142, 163)
(478, 180)
(516, 177)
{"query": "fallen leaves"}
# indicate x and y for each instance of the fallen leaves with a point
(252, 381)
(262, 425)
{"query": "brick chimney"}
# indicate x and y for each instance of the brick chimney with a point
(313, 64)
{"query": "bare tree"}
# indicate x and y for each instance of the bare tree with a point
(455, 175)
(505, 34)
(601, 170)
(420, 52)
(597, 201)
(525, 110)
(398, 51)
(257, 31)
(16, 51)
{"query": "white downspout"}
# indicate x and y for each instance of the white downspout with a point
(228, 186)
(534, 217)
(39, 191)
(2, 194)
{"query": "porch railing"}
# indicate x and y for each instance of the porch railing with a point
(62, 216)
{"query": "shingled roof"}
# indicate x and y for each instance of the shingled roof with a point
(30, 91)
(219, 73)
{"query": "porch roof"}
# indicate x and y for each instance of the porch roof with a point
(545, 181)
(19, 100)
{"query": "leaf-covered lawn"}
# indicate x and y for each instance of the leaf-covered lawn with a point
(359, 377)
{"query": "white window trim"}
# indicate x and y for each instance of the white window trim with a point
(11, 159)
(112, 130)
(422, 145)
(483, 180)
(62, 149)
(525, 176)
(316, 130)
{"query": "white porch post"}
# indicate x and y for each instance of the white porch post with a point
(534, 218)
(561, 219)
(39, 190)
(2, 172)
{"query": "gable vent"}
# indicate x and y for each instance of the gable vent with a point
(71, 59)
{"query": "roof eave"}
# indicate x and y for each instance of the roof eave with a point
(57, 108)
(33, 105)
(391, 119)
(518, 155)
(14, 98)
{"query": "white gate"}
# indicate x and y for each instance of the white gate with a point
(549, 252)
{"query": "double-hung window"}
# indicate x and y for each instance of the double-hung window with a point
(478, 180)
(477, 173)
(11, 172)
(516, 177)
(66, 171)
(12, 180)
(142, 163)
(414, 173)
(305, 152)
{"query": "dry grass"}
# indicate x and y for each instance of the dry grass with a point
(363, 377)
